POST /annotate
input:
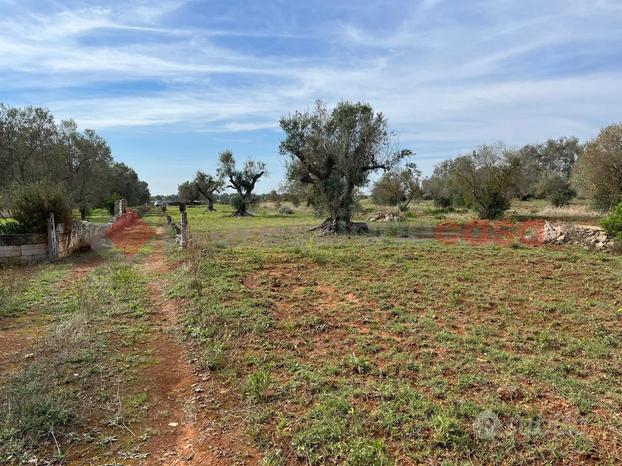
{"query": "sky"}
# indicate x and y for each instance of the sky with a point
(171, 83)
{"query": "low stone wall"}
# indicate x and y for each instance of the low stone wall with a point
(26, 248)
(23, 248)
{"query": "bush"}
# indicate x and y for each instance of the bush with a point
(613, 222)
(34, 202)
(557, 190)
(492, 205)
(108, 203)
(11, 227)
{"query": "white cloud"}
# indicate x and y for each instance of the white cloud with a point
(445, 82)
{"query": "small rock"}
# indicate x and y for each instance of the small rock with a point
(173, 424)
(29, 356)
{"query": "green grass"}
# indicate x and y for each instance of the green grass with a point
(24, 289)
(101, 216)
(75, 374)
(367, 350)
(373, 351)
(202, 220)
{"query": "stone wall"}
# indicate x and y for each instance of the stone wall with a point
(23, 248)
(26, 248)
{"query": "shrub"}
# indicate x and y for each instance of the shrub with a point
(11, 227)
(493, 205)
(557, 190)
(613, 222)
(34, 202)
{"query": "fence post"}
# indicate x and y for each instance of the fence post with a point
(184, 225)
(52, 238)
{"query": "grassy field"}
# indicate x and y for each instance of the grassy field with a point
(95, 216)
(363, 350)
(373, 351)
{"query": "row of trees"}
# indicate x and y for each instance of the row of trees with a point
(42, 158)
(492, 175)
(243, 180)
(330, 155)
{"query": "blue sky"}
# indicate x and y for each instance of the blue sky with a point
(171, 83)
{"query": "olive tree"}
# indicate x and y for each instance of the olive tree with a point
(598, 173)
(208, 186)
(86, 160)
(484, 179)
(188, 192)
(242, 180)
(544, 170)
(28, 145)
(398, 187)
(440, 188)
(334, 152)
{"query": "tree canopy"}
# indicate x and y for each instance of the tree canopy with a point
(599, 170)
(334, 153)
(398, 187)
(243, 180)
(35, 149)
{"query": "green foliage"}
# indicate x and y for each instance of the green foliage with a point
(440, 188)
(334, 152)
(34, 148)
(208, 186)
(108, 203)
(536, 163)
(449, 431)
(34, 202)
(71, 377)
(257, 384)
(598, 172)
(188, 192)
(480, 181)
(242, 180)
(12, 227)
(33, 409)
(397, 187)
(324, 430)
(557, 190)
(368, 452)
(613, 222)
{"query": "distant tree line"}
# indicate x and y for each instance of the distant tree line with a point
(49, 162)
(487, 179)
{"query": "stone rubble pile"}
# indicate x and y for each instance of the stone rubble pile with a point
(586, 236)
(381, 216)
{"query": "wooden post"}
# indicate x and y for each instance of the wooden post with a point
(52, 238)
(184, 225)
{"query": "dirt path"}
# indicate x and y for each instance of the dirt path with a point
(187, 416)
(171, 382)
(188, 433)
